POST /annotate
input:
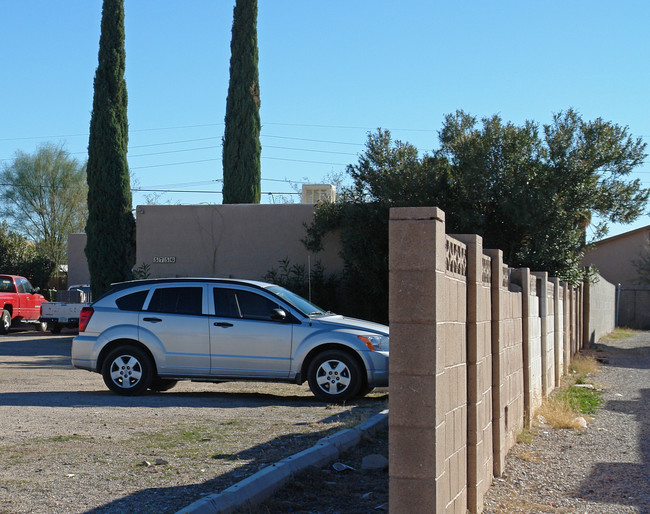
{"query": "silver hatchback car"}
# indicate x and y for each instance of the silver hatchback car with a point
(148, 334)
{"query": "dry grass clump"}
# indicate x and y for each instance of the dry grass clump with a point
(569, 406)
(583, 365)
(557, 412)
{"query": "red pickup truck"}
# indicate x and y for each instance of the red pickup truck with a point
(19, 301)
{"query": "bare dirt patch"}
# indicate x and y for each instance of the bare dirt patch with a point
(67, 444)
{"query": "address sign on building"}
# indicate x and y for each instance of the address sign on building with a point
(166, 260)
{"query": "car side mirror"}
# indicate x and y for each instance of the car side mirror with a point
(278, 315)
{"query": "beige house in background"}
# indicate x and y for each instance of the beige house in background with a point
(237, 240)
(614, 257)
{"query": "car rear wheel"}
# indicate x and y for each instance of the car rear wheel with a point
(128, 371)
(334, 376)
(5, 322)
(162, 384)
(41, 326)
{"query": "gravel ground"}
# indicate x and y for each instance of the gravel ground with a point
(602, 469)
(68, 445)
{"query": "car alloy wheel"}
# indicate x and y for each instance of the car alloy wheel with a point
(127, 370)
(334, 376)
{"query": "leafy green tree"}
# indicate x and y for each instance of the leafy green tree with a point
(529, 192)
(241, 142)
(388, 174)
(110, 248)
(14, 249)
(533, 193)
(18, 256)
(44, 196)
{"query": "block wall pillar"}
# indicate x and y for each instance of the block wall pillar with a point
(479, 372)
(557, 332)
(427, 431)
(543, 314)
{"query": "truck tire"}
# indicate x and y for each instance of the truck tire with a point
(56, 328)
(5, 322)
(41, 326)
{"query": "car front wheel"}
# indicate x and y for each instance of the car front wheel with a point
(127, 371)
(334, 376)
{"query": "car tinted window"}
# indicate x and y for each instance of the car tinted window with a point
(177, 300)
(132, 302)
(20, 284)
(255, 306)
(225, 303)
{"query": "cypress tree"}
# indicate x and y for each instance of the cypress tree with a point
(241, 143)
(110, 248)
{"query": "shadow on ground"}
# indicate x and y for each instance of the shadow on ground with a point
(624, 483)
(172, 499)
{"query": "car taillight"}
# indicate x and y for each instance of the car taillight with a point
(84, 317)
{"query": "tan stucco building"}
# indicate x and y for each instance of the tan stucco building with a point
(237, 240)
(614, 257)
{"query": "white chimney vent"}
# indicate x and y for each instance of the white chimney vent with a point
(314, 193)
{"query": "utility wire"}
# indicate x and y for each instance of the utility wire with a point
(202, 125)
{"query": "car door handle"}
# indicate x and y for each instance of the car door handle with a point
(152, 320)
(222, 324)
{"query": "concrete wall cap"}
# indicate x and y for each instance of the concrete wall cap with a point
(417, 213)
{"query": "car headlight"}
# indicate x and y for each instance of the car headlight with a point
(375, 343)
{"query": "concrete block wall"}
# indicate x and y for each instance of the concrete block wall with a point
(475, 347)
(451, 380)
(507, 362)
(532, 341)
(419, 300)
(558, 334)
(600, 309)
(547, 331)
(479, 369)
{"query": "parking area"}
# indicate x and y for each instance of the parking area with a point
(67, 444)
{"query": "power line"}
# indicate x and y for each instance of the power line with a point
(213, 160)
(175, 151)
(203, 125)
(172, 164)
(313, 140)
(210, 182)
(146, 190)
(308, 150)
(308, 162)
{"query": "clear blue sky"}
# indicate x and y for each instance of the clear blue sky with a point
(330, 72)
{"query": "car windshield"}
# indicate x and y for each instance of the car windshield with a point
(307, 308)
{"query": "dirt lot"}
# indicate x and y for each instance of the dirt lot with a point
(67, 444)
